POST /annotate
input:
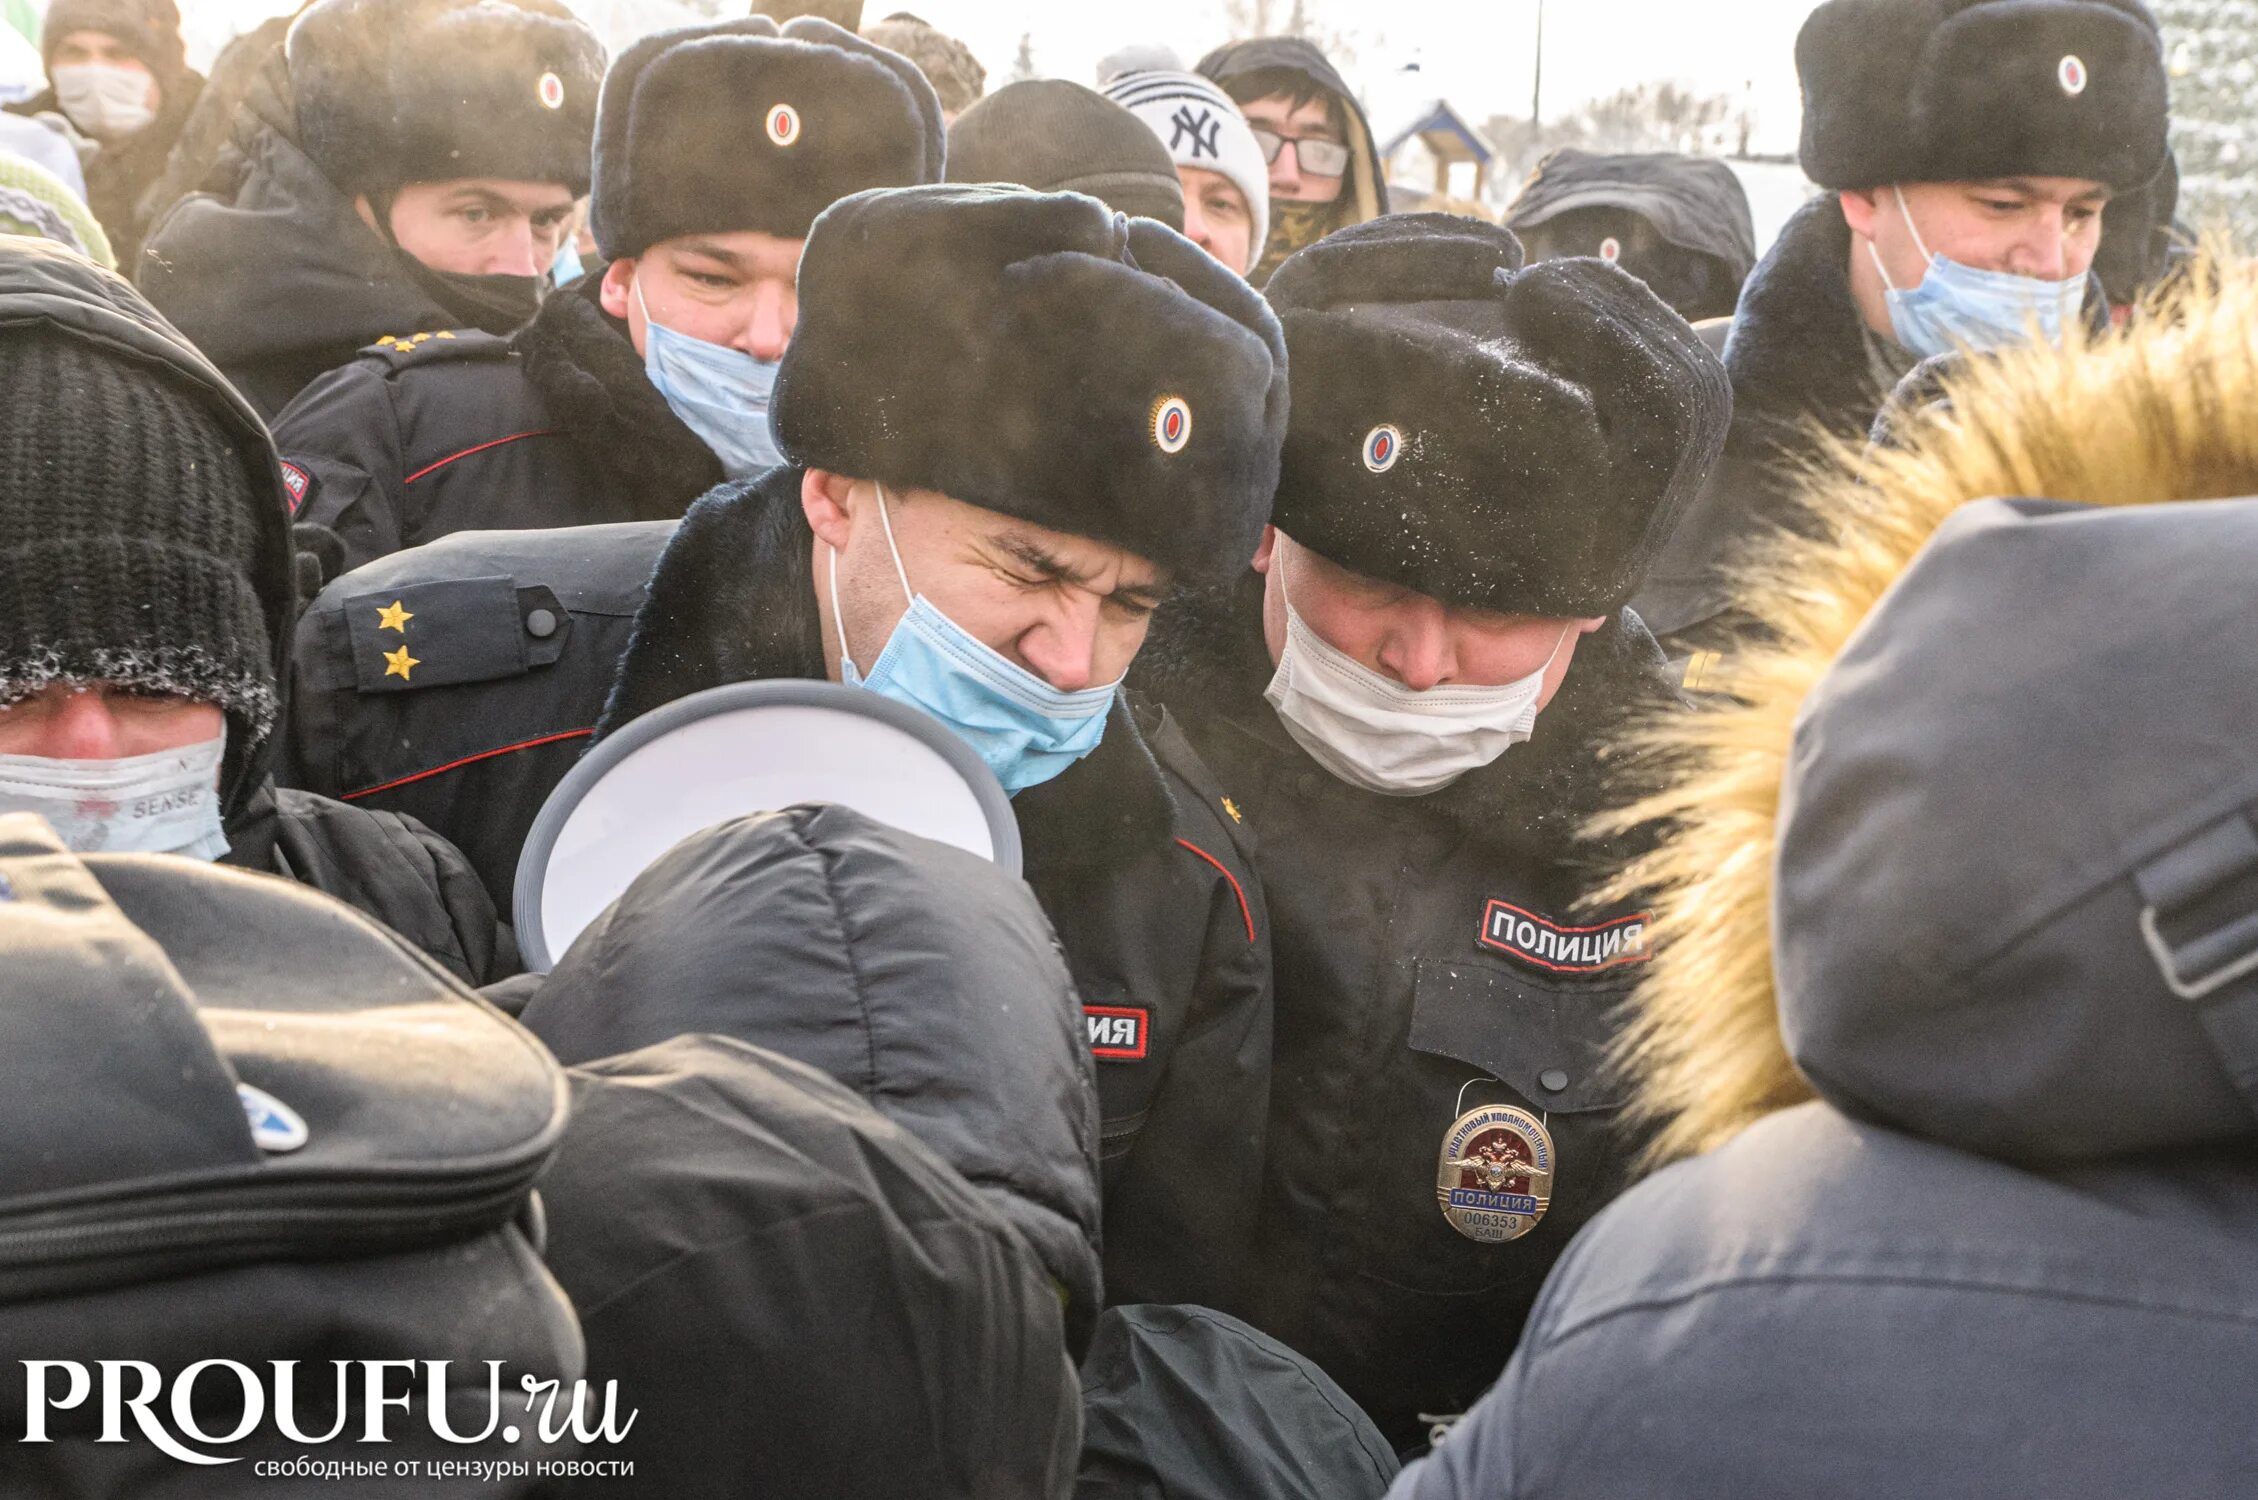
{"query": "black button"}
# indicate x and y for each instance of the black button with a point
(541, 624)
(1309, 783)
(1553, 1079)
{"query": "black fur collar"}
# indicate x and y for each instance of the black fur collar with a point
(580, 359)
(1206, 658)
(1798, 347)
(733, 600)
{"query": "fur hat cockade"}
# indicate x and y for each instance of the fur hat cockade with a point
(738, 125)
(1968, 90)
(1498, 438)
(391, 92)
(1039, 355)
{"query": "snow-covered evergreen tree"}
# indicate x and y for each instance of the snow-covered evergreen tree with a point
(2211, 48)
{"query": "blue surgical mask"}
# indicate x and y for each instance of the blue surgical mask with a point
(567, 267)
(1958, 306)
(721, 394)
(1024, 729)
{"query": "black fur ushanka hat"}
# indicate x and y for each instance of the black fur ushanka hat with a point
(737, 125)
(390, 92)
(1497, 438)
(1039, 355)
(1968, 90)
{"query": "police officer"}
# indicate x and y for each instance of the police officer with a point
(1679, 223)
(646, 383)
(1013, 422)
(1940, 229)
(402, 166)
(145, 637)
(1413, 694)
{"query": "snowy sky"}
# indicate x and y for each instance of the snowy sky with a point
(1477, 53)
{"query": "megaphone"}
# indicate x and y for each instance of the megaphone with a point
(729, 751)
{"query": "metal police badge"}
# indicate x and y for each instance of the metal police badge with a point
(1494, 1176)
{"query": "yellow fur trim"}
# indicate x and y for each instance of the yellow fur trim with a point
(2166, 411)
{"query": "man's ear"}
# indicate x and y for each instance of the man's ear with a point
(828, 501)
(1266, 549)
(1858, 210)
(618, 284)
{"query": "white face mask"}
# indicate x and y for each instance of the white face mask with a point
(1377, 734)
(103, 99)
(166, 803)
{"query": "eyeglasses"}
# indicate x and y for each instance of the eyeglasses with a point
(1314, 158)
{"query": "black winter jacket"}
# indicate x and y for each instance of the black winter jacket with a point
(796, 1295)
(919, 975)
(461, 430)
(1430, 959)
(392, 868)
(270, 271)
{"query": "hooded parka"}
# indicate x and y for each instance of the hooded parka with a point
(1432, 957)
(390, 867)
(1364, 188)
(1947, 988)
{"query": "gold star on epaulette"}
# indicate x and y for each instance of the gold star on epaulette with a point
(394, 617)
(1233, 809)
(399, 664)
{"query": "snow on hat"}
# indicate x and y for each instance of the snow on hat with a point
(1038, 355)
(398, 91)
(1202, 128)
(1518, 440)
(740, 125)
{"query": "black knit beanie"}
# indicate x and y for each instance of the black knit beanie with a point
(127, 538)
(1059, 137)
(149, 30)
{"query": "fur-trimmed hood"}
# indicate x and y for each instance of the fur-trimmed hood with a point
(2162, 413)
(1206, 658)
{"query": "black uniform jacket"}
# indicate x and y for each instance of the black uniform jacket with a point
(1431, 957)
(511, 640)
(1134, 853)
(1136, 858)
(457, 430)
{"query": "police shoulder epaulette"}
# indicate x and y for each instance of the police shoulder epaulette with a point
(438, 344)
